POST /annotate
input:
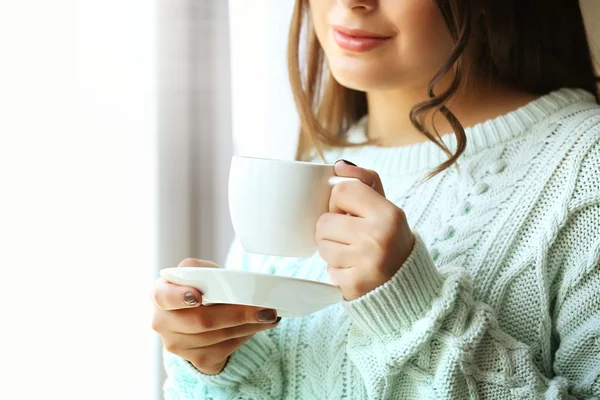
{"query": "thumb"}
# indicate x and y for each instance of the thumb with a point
(194, 262)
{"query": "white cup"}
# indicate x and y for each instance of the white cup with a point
(275, 204)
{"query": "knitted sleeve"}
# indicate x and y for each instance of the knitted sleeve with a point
(253, 372)
(425, 326)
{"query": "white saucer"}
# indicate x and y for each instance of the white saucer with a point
(291, 297)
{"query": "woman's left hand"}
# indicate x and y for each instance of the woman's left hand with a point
(364, 237)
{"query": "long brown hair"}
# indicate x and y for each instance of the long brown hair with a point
(536, 46)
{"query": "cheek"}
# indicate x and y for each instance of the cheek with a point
(319, 10)
(424, 41)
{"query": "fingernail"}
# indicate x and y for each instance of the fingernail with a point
(266, 316)
(347, 162)
(189, 299)
(277, 320)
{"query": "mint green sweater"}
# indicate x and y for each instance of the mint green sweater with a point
(500, 298)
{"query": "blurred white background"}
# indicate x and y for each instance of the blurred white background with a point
(78, 209)
(117, 123)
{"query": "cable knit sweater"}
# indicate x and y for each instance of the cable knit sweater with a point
(499, 299)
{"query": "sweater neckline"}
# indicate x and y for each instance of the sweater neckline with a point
(427, 155)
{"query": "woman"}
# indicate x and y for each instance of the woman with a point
(480, 281)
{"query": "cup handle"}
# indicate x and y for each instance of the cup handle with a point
(334, 180)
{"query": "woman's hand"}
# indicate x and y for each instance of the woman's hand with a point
(364, 238)
(204, 335)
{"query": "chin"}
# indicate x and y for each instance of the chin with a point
(364, 82)
(364, 77)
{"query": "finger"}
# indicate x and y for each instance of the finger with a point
(355, 198)
(367, 176)
(194, 262)
(212, 318)
(206, 339)
(339, 228)
(337, 254)
(168, 296)
(209, 360)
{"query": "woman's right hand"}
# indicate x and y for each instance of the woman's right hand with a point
(204, 335)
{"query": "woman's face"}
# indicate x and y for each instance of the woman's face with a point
(382, 44)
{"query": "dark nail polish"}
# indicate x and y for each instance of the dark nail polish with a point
(277, 320)
(266, 316)
(189, 299)
(348, 162)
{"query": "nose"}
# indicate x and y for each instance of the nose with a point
(359, 5)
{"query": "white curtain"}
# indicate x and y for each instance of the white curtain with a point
(265, 122)
(194, 125)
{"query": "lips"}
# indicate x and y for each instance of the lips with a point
(356, 40)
